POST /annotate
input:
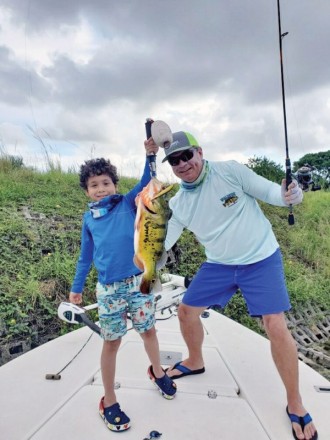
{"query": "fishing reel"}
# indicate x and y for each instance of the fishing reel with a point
(162, 136)
(304, 175)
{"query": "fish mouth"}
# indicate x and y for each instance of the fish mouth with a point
(164, 191)
(149, 210)
(161, 193)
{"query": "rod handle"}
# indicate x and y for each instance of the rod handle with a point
(288, 179)
(151, 157)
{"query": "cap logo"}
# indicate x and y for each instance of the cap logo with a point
(173, 145)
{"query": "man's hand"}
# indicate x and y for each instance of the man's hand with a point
(75, 298)
(293, 195)
(150, 146)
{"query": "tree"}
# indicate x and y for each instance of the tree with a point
(321, 161)
(267, 168)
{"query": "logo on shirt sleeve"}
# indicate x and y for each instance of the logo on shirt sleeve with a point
(229, 200)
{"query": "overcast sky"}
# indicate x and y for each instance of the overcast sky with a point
(83, 76)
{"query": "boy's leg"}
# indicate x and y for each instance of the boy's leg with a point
(112, 317)
(151, 346)
(108, 370)
(142, 309)
(156, 374)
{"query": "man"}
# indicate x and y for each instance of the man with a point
(217, 202)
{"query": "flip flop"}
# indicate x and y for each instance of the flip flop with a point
(302, 421)
(185, 371)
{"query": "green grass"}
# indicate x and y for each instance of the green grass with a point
(39, 254)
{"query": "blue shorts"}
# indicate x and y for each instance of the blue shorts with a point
(115, 300)
(262, 285)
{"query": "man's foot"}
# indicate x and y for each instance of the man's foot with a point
(302, 426)
(114, 418)
(179, 370)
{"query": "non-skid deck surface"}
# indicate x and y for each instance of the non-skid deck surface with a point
(239, 396)
(188, 416)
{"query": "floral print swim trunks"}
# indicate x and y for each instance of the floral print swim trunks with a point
(116, 301)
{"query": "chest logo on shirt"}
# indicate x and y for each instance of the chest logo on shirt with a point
(229, 200)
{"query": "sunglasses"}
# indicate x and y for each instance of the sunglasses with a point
(184, 156)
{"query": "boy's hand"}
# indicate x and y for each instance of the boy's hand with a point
(150, 146)
(293, 195)
(75, 298)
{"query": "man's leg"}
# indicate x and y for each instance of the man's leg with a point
(193, 334)
(284, 352)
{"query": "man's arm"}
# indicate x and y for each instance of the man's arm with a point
(265, 190)
(174, 230)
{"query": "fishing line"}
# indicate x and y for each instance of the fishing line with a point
(291, 94)
(30, 94)
(35, 129)
(57, 376)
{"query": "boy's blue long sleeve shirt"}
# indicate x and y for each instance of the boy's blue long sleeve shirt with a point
(108, 241)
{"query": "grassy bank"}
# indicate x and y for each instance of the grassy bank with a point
(40, 221)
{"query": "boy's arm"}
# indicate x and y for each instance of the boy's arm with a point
(83, 265)
(151, 148)
(75, 298)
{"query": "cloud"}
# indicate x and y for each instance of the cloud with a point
(85, 75)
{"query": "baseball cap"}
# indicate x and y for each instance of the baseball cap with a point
(182, 140)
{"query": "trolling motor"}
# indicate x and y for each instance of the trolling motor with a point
(305, 178)
(74, 314)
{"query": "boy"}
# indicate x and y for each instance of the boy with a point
(107, 240)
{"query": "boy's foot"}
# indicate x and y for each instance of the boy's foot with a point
(165, 384)
(114, 418)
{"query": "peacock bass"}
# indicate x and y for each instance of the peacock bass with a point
(150, 231)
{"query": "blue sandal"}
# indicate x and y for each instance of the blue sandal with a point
(165, 384)
(302, 421)
(114, 418)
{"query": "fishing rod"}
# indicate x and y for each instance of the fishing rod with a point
(288, 173)
(151, 157)
(162, 136)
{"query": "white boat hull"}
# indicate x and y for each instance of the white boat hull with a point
(239, 396)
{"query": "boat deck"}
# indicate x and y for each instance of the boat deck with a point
(239, 396)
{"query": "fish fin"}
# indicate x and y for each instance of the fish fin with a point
(138, 263)
(157, 286)
(162, 261)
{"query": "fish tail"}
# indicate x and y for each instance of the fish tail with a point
(145, 286)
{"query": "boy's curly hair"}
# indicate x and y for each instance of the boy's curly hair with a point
(96, 167)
